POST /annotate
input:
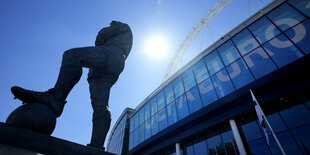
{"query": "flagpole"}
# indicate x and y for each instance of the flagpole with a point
(264, 117)
(274, 135)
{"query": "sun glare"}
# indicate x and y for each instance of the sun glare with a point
(156, 47)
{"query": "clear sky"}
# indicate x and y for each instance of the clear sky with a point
(34, 34)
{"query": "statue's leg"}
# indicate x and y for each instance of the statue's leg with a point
(70, 73)
(100, 90)
(101, 79)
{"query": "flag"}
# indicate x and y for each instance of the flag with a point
(260, 114)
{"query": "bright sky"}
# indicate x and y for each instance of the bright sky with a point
(34, 34)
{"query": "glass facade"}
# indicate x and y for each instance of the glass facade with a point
(273, 41)
(116, 140)
(291, 127)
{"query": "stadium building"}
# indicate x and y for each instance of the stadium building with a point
(206, 107)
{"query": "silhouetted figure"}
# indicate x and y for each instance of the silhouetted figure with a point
(105, 61)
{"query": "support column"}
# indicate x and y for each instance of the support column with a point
(237, 136)
(177, 149)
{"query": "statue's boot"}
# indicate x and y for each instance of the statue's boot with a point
(54, 98)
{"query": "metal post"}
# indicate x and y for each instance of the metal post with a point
(237, 137)
(177, 149)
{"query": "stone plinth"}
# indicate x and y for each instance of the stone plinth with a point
(22, 141)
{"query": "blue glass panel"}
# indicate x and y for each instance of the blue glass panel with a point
(178, 87)
(302, 136)
(190, 150)
(222, 83)
(207, 92)
(282, 51)
(200, 71)
(251, 131)
(200, 148)
(287, 142)
(172, 113)
(131, 125)
(259, 63)
(141, 133)
(259, 147)
(264, 30)
(169, 93)
(161, 100)
(285, 17)
(135, 138)
(239, 73)
(189, 79)
(147, 111)
(136, 118)
(213, 142)
(162, 119)
(227, 136)
(300, 35)
(228, 52)
(141, 116)
(296, 116)
(182, 108)
(130, 140)
(154, 124)
(147, 128)
(153, 106)
(276, 123)
(302, 5)
(193, 100)
(245, 42)
(214, 63)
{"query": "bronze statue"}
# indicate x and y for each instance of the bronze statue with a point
(105, 61)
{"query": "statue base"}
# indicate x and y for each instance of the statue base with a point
(22, 141)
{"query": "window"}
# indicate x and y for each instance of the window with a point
(153, 106)
(276, 123)
(131, 141)
(189, 79)
(303, 6)
(200, 71)
(264, 30)
(300, 35)
(193, 100)
(131, 125)
(259, 147)
(147, 111)
(213, 62)
(296, 116)
(213, 143)
(182, 108)
(287, 142)
(141, 116)
(136, 117)
(282, 51)
(135, 138)
(259, 63)
(161, 100)
(228, 52)
(172, 113)
(222, 83)
(147, 129)
(169, 93)
(245, 42)
(207, 92)
(239, 73)
(285, 17)
(178, 87)
(154, 124)
(190, 150)
(141, 133)
(162, 119)
(302, 136)
(200, 148)
(251, 131)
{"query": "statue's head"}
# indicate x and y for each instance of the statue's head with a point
(116, 29)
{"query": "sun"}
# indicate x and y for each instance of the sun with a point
(156, 47)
